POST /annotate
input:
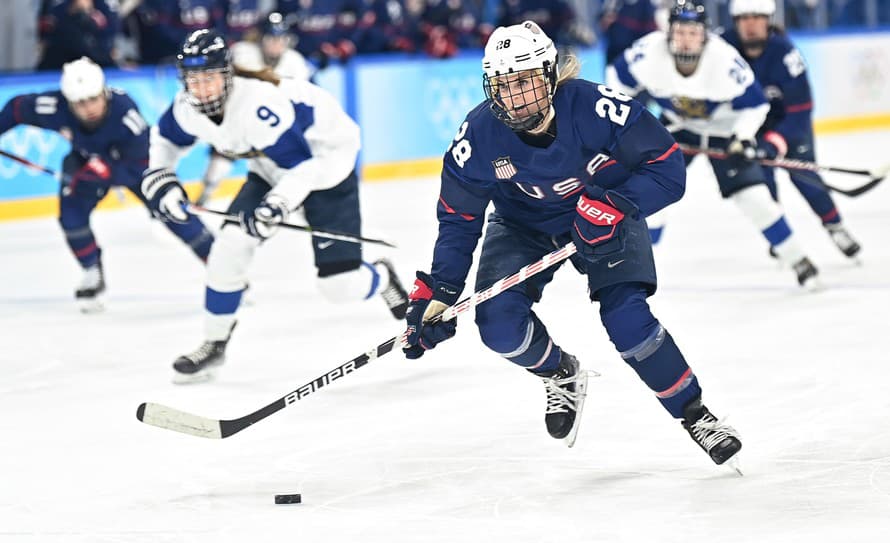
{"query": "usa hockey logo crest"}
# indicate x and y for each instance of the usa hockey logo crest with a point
(503, 168)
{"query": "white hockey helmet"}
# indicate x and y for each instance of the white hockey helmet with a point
(82, 79)
(752, 7)
(511, 50)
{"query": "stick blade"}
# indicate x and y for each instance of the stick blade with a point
(175, 420)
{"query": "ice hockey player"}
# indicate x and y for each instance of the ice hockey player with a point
(563, 160)
(301, 149)
(710, 99)
(109, 147)
(274, 52)
(788, 132)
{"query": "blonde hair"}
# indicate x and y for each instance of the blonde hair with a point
(570, 69)
(264, 74)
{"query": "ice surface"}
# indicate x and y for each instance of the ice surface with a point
(450, 448)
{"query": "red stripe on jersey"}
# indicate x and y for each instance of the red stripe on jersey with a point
(666, 154)
(799, 107)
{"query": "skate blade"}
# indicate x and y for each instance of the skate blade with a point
(813, 285)
(734, 464)
(193, 378)
(90, 306)
(581, 389)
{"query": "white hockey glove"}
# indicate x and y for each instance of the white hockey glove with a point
(165, 194)
(263, 221)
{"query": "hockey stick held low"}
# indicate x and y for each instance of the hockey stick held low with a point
(876, 175)
(329, 234)
(170, 418)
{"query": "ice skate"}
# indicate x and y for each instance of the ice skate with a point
(807, 274)
(716, 438)
(393, 293)
(89, 291)
(566, 389)
(844, 241)
(200, 365)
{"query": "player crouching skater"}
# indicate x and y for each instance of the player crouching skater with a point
(563, 160)
(301, 149)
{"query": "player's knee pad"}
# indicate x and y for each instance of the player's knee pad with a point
(350, 285)
(625, 314)
(230, 256)
(757, 204)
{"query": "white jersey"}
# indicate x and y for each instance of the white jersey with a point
(295, 135)
(248, 55)
(721, 98)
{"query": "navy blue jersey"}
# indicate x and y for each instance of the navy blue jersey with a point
(121, 140)
(603, 138)
(781, 71)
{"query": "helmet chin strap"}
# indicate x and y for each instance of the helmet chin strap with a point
(545, 121)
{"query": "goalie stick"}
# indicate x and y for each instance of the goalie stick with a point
(876, 174)
(170, 418)
(200, 210)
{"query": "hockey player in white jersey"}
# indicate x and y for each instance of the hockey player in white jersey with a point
(302, 150)
(711, 100)
(274, 52)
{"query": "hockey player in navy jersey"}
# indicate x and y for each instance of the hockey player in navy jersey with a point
(788, 131)
(563, 160)
(301, 149)
(710, 99)
(109, 147)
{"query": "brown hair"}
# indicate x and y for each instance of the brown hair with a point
(264, 74)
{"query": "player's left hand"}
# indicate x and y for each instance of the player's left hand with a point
(263, 221)
(772, 145)
(740, 152)
(597, 231)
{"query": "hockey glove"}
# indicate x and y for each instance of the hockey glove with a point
(165, 195)
(598, 231)
(740, 153)
(772, 146)
(263, 221)
(428, 299)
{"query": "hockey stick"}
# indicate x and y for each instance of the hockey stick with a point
(63, 178)
(173, 419)
(199, 210)
(876, 174)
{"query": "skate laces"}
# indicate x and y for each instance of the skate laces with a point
(92, 277)
(203, 352)
(841, 237)
(710, 432)
(559, 398)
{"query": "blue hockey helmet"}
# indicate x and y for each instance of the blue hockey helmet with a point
(203, 52)
(687, 13)
(275, 25)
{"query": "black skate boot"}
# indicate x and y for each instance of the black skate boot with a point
(844, 241)
(566, 389)
(393, 293)
(807, 274)
(718, 439)
(92, 285)
(199, 365)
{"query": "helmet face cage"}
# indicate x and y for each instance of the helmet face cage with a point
(205, 52)
(521, 100)
(687, 12)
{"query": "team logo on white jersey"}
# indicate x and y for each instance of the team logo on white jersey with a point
(503, 168)
(691, 108)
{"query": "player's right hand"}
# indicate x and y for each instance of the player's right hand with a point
(427, 300)
(740, 152)
(263, 221)
(165, 195)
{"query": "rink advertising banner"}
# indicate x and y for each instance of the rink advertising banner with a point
(410, 107)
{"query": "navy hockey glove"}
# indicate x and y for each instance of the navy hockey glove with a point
(740, 153)
(598, 231)
(772, 145)
(428, 299)
(263, 221)
(165, 195)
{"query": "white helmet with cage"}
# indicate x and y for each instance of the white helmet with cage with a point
(512, 50)
(82, 79)
(738, 8)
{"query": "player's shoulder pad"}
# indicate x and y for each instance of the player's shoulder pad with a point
(469, 149)
(779, 42)
(264, 109)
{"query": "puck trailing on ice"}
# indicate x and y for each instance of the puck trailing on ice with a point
(288, 498)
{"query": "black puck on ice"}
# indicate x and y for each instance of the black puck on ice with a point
(288, 498)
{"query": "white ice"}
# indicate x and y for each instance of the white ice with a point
(450, 448)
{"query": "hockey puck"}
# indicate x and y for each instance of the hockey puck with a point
(287, 498)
